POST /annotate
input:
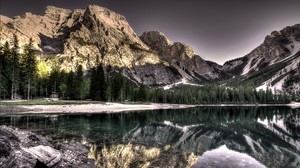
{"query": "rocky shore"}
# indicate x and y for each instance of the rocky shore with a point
(28, 150)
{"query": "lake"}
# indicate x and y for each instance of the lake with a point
(219, 136)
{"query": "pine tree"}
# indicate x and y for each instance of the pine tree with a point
(2, 60)
(54, 80)
(14, 67)
(70, 85)
(63, 77)
(93, 84)
(142, 94)
(5, 54)
(98, 84)
(78, 82)
(102, 83)
(63, 89)
(117, 83)
(28, 67)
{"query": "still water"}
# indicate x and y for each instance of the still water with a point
(220, 136)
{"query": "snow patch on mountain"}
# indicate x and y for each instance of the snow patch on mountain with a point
(294, 47)
(182, 82)
(247, 67)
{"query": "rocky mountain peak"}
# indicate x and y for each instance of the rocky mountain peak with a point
(55, 11)
(276, 47)
(157, 39)
(159, 42)
(180, 56)
(5, 19)
(274, 64)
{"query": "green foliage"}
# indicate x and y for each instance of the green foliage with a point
(63, 89)
(23, 75)
(81, 86)
(212, 94)
(142, 93)
(117, 87)
(28, 70)
(4, 80)
(98, 85)
(10, 69)
(70, 85)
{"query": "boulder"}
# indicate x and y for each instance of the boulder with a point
(27, 150)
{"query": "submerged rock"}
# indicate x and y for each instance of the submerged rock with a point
(27, 150)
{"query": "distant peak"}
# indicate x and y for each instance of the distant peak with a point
(5, 19)
(52, 9)
(96, 8)
(158, 36)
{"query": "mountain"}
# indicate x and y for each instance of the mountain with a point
(180, 56)
(274, 64)
(97, 34)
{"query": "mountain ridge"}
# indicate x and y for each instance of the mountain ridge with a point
(97, 34)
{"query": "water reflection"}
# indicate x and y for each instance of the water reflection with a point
(271, 135)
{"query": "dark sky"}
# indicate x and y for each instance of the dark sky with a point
(218, 30)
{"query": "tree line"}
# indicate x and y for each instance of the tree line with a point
(17, 71)
(25, 76)
(215, 94)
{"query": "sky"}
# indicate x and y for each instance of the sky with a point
(218, 30)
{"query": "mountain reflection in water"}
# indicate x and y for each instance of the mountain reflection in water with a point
(270, 135)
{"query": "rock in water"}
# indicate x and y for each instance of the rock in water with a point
(27, 150)
(44, 154)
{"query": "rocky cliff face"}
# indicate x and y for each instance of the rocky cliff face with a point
(87, 37)
(97, 34)
(276, 60)
(276, 47)
(180, 56)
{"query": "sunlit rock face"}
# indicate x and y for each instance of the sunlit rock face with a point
(86, 37)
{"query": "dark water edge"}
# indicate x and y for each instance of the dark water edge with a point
(270, 135)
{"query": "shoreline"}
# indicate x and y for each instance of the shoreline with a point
(110, 107)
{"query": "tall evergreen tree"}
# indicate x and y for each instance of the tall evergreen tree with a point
(78, 83)
(2, 57)
(14, 67)
(117, 83)
(93, 84)
(54, 81)
(142, 93)
(5, 53)
(63, 77)
(98, 84)
(70, 85)
(102, 83)
(29, 69)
